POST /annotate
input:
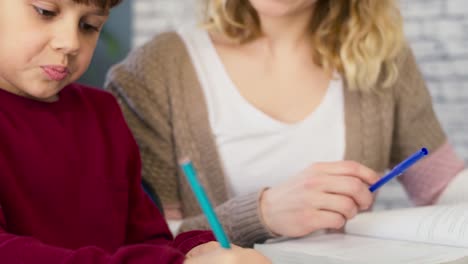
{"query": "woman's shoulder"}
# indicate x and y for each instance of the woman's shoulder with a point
(408, 75)
(167, 39)
(405, 54)
(154, 60)
(410, 81)
(166, 44)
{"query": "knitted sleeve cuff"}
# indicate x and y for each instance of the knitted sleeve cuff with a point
(247, 225)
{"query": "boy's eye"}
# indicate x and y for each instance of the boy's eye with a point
(44, 12)
(88, 27)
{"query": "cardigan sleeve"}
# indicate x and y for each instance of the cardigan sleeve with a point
(417, 126)
(145, 222)
(141, 92)
(140, 84)
(240, 218)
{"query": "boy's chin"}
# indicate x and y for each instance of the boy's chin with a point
(49, 94)
(48, 99)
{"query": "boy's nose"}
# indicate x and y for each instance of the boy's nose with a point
(67, 40)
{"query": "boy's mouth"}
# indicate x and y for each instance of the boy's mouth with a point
(56, 72)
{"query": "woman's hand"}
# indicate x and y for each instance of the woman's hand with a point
(322, 196)
(235, 255)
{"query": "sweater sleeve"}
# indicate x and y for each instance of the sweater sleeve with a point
(148, 237)
(140, 85)
(28, 250)
(416, 126)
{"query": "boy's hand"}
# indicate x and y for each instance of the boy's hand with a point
(236, 255)
(203, 249)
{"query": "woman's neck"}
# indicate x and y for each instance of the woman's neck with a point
(285, 34)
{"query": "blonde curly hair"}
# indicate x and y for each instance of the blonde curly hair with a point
(360, 39)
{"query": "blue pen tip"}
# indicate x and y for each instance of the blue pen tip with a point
(424, 151)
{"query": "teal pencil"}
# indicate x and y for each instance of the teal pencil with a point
(190, 173)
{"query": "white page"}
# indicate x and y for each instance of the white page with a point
(174, 226)
(442, 224)
(343, 248)
(456, 191)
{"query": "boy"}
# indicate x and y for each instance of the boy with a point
(69, 167)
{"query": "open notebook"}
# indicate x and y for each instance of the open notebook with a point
(432, 234)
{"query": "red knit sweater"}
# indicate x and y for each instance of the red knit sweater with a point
(70, 185)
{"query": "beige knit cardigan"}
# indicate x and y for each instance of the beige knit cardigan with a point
(163, 103)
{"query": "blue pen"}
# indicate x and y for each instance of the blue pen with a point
(399, 169)
(205, 204)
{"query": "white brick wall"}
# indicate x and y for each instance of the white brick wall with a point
(153, 16)
(436, 29)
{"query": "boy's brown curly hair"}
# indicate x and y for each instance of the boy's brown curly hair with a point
(104, 4)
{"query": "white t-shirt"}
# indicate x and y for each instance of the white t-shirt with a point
(256, 150)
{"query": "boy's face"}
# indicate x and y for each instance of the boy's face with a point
(46, 44)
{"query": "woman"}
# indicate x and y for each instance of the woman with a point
(289, 110)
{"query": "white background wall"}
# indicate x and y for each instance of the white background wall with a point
(436, 29)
